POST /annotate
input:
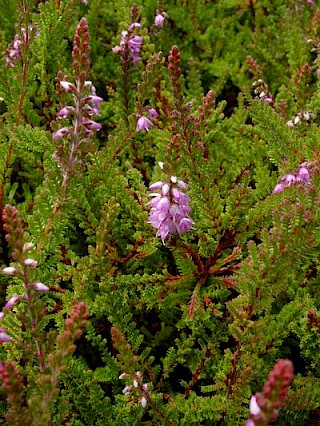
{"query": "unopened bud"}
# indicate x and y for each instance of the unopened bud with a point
(144, 402)
(40, 286)
(27, 247)
(10, 270)
(135, 383)
(12, 301)
(32, 263)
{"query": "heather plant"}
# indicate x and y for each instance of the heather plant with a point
(159, 200)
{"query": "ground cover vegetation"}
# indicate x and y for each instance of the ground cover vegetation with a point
(159, 212)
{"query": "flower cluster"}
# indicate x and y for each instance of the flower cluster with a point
(13, 52)
(262, 92)
(130, 45)
(301, 174)
(137, 387)
(301, 116)
(144, 123)
(160, 18)
(264, 407)
(87, 101)
(169, 208)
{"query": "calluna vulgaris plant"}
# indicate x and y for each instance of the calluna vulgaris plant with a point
(159, 213)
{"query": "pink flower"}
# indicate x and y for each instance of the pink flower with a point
(143, 124)
(159, 19)
(95, 102)
(4, 337)
(253, 406)
(12, 301)
(133, 26)
(153, 113)
(278, 188)
(65, 111)
(68, 87)
(92, 125)
(61, 133)
(304, 175)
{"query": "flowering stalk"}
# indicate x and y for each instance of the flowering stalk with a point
(24, 269)
(129, 51)
(264, 407)
(31, 310)
(75, 136)
(85, 105)
(18, 50)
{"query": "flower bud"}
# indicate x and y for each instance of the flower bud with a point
(27, 247)
(12, 301)
(32, 263)
(68, 87)
(144, 402)
(10, 270)
(40, 286)
(4, 337)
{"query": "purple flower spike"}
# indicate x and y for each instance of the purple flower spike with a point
(170, 209)
(143, 124)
